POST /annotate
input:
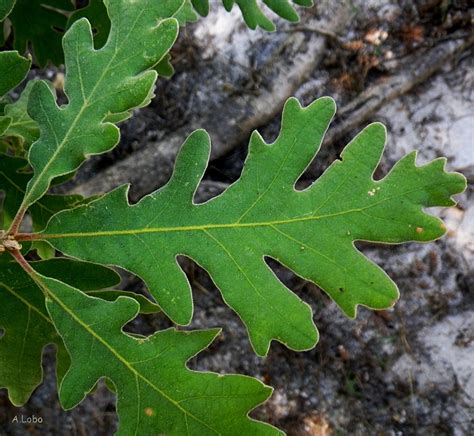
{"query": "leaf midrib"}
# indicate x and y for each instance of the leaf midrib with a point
(85, 105)
(204, 227)
(25, 302)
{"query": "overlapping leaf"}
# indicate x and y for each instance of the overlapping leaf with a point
(19, 130)
(6, 7)
(13, 69)
(145, 305)
(100, 84)
(27, 325)
(41, 25)
(156, 393)
(311, 231)
(252, 12)
(13, 182)
(96, 14)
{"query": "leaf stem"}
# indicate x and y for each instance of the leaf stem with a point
(16, 223)
(27, 236)
(30, 271)
(23, 262)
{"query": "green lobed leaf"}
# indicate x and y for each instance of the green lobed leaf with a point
(312, 232)
(41, 25)
(96, 13)
(252, 12)
(98, 84)
(156, 392)
(27, 325)
(13, 69)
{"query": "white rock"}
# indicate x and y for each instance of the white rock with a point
(437, 120)
(460, 224)
(423, 374)
(450, 344)
(461, 145)
(447, 358)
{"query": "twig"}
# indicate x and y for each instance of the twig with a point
(414, 71)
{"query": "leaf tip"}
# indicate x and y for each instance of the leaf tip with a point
(326, 101)
(292, 104)
(201, 135)
(378, 129)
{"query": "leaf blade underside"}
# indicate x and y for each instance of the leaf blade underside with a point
(99, 84)
(27, 325)
(13, 69)
(20, 130)
(312, 232)
(156, 392)
(40, 24)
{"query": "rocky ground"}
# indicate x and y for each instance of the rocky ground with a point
(408, 370)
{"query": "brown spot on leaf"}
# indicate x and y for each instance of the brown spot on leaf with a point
(149, 411)
(420, 230)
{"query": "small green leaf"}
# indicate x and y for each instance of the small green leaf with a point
(156, 392)
(252, 12)
(262, 215)
(41, 24)
(27, 325)
(115, 79)
(13, 69)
